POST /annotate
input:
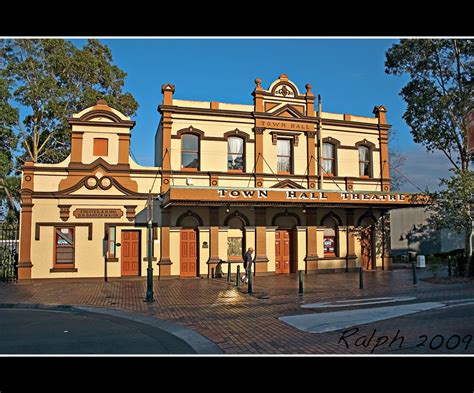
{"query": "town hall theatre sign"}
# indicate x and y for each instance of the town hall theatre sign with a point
(310, 195)
(228, 195)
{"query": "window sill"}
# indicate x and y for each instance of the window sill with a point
(330, 258)
(235, 170)
(190, 169)
(63, 270)
(112, 259)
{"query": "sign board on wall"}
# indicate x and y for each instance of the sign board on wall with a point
(98, 213)
(290, 196)
(284, 125)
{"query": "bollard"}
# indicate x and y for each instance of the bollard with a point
(415, 279)
(250, 288)
(228, 272)
(212, 272)
(237, 280)
(449, 265)
(300, 290)
(361, 278)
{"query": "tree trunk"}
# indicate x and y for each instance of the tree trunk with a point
(10, 200)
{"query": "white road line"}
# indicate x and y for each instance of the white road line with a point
(361, 302)
(458, 300)
(331, 321)
(460, 304)
(365, 299)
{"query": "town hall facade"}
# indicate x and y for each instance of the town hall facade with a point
(308, 190)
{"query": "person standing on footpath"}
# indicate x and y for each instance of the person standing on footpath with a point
(247, 264)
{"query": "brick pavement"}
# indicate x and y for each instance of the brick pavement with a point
(243, 324)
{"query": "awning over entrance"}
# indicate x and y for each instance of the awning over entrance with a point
(214, 196)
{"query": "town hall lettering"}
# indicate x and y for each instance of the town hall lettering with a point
(285, 125)
(308, 195)
(264, 194)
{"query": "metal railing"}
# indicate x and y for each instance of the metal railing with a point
(9, 246)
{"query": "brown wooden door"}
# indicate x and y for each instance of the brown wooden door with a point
(188, 257)
(130, 253)
(282, 251)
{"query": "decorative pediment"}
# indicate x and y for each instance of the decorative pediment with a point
(284, 88)
(106, 185)
(98, 175)
(97, 164)
(101, 114)
(287, 184)
(288, 111)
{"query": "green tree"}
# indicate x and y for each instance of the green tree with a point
(52, 79)
(438, 96)
(452, 207)
(8, 143)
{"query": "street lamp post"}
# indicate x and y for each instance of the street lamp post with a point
(149, 270)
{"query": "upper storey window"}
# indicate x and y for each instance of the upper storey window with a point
(329, 159)
(235, 154)
(284, 156)
(190, 152)
(101, 147)
(364, 161)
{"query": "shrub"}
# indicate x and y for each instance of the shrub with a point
(435, 263)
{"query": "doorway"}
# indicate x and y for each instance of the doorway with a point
(130, 253)
(283, 242)
(188, 253)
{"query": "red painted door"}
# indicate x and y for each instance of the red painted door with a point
(282, 251)
(130, 253)
(188, 257)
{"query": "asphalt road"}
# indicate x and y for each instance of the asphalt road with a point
(57, 332)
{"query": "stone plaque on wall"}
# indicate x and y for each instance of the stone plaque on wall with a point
(98, 213)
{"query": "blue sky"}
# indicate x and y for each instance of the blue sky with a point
(347, 73)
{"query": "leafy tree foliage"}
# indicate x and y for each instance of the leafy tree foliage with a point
(8, 143)
(53, 79)
(50, 79)
(439, 95)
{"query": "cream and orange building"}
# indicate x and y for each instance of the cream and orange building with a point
(297, 184)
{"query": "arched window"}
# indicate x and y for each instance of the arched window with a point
(365, 164)
(329, 159)
(190, 152)
(330, 237)
(235, 154)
